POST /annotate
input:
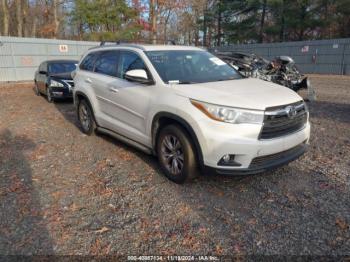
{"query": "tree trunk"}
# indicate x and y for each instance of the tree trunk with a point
(25, 15)
(218, 42)
(19, 18)
(35, 26)
(153, 16)
(196, 37)
(5, 19)
(262, 22)
(55, 17)
(282, 29)
(205, 24)
(165, 27)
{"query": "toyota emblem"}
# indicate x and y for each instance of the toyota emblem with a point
(291, 111)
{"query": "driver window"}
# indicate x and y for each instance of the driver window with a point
(129, 61)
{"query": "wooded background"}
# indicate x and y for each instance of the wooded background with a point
(194, 22)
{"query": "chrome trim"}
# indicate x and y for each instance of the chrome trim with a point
(283, 111)
(299, 106)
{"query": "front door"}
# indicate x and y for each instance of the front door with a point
(130, 100)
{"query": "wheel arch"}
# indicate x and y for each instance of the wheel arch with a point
(78, 96)
(163, 119)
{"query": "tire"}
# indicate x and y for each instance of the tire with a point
(86, 118)
(176, 154)
(36, 89)
(48, 95)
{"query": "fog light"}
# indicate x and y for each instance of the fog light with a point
(228, 160)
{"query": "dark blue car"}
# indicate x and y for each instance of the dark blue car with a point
(53, 79)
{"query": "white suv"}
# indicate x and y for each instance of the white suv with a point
(190, 109)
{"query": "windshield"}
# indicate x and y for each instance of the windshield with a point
(62, 67)
(187, 67)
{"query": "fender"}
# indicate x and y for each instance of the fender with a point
(185, 125)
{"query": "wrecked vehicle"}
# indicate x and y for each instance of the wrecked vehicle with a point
(282, 70)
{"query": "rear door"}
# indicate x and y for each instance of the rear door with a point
(105, 72)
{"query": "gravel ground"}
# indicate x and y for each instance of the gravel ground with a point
(62, 192)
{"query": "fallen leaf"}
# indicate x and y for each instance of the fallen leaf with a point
(341, 223)
(102, 230)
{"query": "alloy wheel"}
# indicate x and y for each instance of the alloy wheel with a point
(84, 116)
(172, 154)
(49, 97)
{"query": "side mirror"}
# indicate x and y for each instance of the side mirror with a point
(138, 75)
(43, 72)
(73, 73)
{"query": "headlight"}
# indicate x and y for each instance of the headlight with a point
(54, 83)
(230, 114)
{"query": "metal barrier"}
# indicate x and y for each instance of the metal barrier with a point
(319, 56)
(20, 57)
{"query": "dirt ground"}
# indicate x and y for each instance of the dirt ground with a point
(62, 192)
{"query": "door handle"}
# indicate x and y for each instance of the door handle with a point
(114, 90)
(88, 80)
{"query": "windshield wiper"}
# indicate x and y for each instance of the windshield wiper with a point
(187, 82)
(182, 82)
(227, 79)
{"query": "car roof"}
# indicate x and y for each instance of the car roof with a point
(146, 47)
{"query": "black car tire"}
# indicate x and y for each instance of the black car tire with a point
(86, 118)
(178, 161)
(48, 95)
(36, 89)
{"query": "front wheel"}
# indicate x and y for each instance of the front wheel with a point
(176, 154)
(48, 95)
(86, 118)
(36, 89)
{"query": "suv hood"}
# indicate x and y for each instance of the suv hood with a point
(249, 93)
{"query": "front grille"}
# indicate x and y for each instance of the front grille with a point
(278, 123)
(278, 158)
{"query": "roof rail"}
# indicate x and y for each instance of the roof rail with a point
(118, 42)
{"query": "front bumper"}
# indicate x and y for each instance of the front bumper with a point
(242, 141)
(264, 163)
(61, 92)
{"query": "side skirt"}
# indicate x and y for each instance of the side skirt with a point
(125, 140)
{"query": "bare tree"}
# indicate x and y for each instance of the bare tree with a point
(5, 18)
(55, 17)
(19, 18)
(262, 22)
(153, 18)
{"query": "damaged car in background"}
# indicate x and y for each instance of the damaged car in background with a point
(281, 70)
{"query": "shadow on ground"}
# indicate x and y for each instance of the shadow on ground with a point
(22, 228)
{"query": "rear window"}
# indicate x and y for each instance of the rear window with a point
(88, 62)
(61, 67)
